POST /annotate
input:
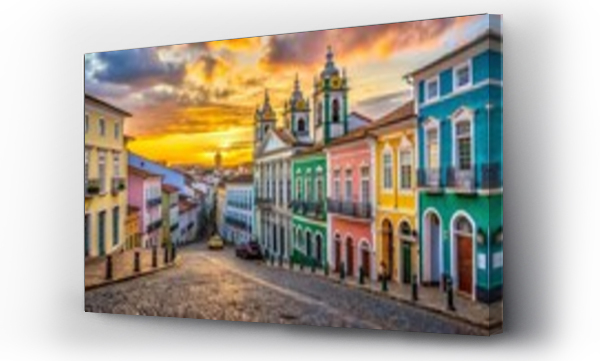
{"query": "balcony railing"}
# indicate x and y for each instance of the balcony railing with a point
(430, 178)
(351, 209)
(117, 184)
(153, 202)
(482, 177)
(309, 208)
(154, 226)
(462, 180)
(92, 187)
(264, 201)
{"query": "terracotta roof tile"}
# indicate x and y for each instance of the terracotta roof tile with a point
(141, 172)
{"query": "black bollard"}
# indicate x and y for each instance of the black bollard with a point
(313, 266)
(450, 294)
(173, 253)
(384, 283)
(342, 271)
(136, 262)
(166, 256)
(361, 275)
(291, 260)
(415, 290)
(154, 257)
(326, 266)
(302, 265)
(109, 267)
(272, 260)
(280, 260)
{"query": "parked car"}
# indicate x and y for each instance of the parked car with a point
(215, 242)
(248, 250)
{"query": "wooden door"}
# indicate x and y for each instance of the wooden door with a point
(366, 263)
(349, 257)
(465, 264)
(338, 255)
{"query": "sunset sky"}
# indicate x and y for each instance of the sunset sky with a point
(189, 101)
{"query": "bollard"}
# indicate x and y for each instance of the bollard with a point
(166, 256)
(280, 260)
(136, 262)
(450, 294)
(154, 257)
(342, 271)
(313, 266)
(415, 290)
(361, 275)
(384, 283)
(291, 260)
(109, 267)
(272, 260)
(173, 253)
(326, 269)
(302, 265)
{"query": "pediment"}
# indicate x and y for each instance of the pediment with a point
(273, 143)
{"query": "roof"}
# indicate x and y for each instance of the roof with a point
(167, 188)
(311, 150)
(141, 172)
(107, 105)
(403, 113)
(491, 34)
(356, 134)
(242, 178)
(362, 116)
(285, 135)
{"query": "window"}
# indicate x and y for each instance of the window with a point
(348, 185)
(115, 226)
(405, 169)
(87, 123)
(463, 145)
(337, 192)
(102, 171)
(433, 160)
(335, 105)
(298, 189)
(307, 190)
(117, 130)
(102, 127)
(116, 165)
(365, 185)
(462, 76)
(301, 125)
(319, 185)
(387, 170)
(432, 89)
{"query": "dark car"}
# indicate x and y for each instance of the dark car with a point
(248, 250)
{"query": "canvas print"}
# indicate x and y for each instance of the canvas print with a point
(346, 178)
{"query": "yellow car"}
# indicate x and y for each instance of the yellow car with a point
(215, 242)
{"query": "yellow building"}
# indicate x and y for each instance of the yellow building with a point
(105, 177)
(396, 191)
(133, 235)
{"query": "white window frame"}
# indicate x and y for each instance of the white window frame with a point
(463, 114)
(348, 184)
(365, 178)
(429, 98)
(456, 69)
(102, 171)
(430, 124)
(387, 152)
(117, 130)
(116, 165)
(102, 126)
(337, 185)
(401, 151)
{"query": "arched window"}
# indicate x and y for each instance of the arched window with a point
(335, 105)
(301, 125)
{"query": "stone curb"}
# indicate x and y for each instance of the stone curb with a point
(485, 325)
(134, 275)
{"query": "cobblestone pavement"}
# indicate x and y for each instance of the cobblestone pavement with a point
(217, 286)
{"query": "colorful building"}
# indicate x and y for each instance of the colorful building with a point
(105, 178)
(350, 203)
(188, 220)
(396, 192)
(144, 192)
(170, 215)
(133, 235)
(460, 177)
(239, 211)
(220, 209)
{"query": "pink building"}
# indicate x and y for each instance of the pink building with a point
(351, 203)
(144, 192)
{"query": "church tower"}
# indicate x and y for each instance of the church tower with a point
(330, 102)
(297, 114)
(264, 120)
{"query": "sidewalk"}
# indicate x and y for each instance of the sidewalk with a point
(123, 267)
(429, 298)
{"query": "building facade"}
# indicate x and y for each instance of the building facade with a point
(170, 215)
(105, 182)
(396, 221)
(350, 204)
(239, 211)
(220, 210)
(188, 221)
(460, 177)
(144, 192)
(133, 235)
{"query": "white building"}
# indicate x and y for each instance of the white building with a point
(239, 206)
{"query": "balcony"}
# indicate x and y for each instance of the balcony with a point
(360, 210)
(153, 202)
(117, 184)
(429, 179)
(154, 226)
(310, 209)
(491, 176)
(461, 180)
(92, 187)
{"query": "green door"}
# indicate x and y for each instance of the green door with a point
(101, 232)
(406, 262)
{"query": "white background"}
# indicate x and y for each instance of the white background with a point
(552, 152)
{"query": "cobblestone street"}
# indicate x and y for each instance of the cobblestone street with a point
(218, 286)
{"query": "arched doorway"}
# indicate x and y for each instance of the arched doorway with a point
(319, 245)
(406, 244)
(387, 232)
(350, 256)
(463, 230)
(309, 248)
(433, 258)
(365, 259)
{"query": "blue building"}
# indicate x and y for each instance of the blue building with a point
(459, 107)
(239, 209)
(170, 176)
